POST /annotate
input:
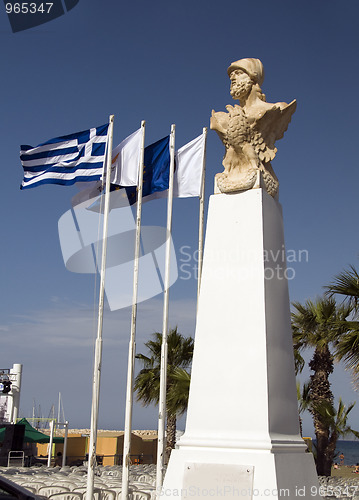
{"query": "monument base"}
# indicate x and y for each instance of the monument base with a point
(241, 474)
(242, 431)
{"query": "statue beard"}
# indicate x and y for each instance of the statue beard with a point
(241, 90)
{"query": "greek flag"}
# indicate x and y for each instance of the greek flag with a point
(65, 160)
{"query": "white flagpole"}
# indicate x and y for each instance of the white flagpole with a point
(132, 343)
(64, 451)
(98, 344)
(49, 456)
(58, 409)
(201, 217)
(163, 369)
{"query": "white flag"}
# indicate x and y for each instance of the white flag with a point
(124, 169)
(189, 168)
(126, 160)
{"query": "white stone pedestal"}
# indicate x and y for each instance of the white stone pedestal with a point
(242, 432)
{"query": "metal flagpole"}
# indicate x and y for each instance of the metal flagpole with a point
(132, 343)
(201, 217)
(98, 344)
(58, 409)
(163, 369)
(49, 456)
(64, 451)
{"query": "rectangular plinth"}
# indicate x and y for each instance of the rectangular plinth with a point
(242, 408)
(242, 383)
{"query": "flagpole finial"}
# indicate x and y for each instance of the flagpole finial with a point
(112, 118)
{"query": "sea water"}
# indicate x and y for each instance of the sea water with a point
(350, 450)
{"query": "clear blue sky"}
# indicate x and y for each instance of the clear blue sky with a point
(165, 62)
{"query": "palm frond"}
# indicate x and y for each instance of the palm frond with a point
(346, 283)
(147, 362)
(177, 399)
(299, 362)
(318, 323)
(347, 350)
(147, 386)
(303, 396)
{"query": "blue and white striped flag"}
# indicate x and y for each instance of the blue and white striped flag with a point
(65, 160)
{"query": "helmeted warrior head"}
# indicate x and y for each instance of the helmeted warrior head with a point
(253, 68)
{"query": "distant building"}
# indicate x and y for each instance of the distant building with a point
(109, 447)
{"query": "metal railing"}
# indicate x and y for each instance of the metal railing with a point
(16, 459)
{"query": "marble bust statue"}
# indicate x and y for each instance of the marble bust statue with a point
(249, 130)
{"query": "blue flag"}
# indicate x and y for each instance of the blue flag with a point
(65, 160)
(156, 170)
(155, 180)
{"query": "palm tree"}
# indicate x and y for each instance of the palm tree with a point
(347, 284)
(318, 325)
(147, 382)
(337, 422)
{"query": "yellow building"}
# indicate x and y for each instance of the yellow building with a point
(109, 448)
